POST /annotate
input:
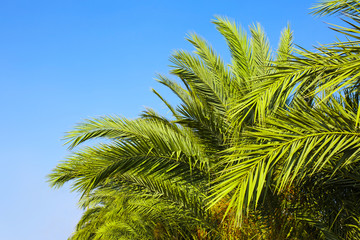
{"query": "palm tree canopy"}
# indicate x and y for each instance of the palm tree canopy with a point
(269, 142)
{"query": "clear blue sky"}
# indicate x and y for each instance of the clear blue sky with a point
(64, 61)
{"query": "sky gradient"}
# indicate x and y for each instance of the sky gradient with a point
(65, 61)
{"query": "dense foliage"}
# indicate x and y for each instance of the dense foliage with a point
(266, 147)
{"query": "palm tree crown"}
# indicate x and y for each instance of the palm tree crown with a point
(265, 147)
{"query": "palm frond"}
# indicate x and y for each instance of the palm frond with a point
(238, 43)
(329, 7)
(303, 141)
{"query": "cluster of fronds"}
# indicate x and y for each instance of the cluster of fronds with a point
(266, 147)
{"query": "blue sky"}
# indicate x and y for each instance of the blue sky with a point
(64, 61)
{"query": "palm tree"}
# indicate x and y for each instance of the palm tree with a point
(153, 176)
